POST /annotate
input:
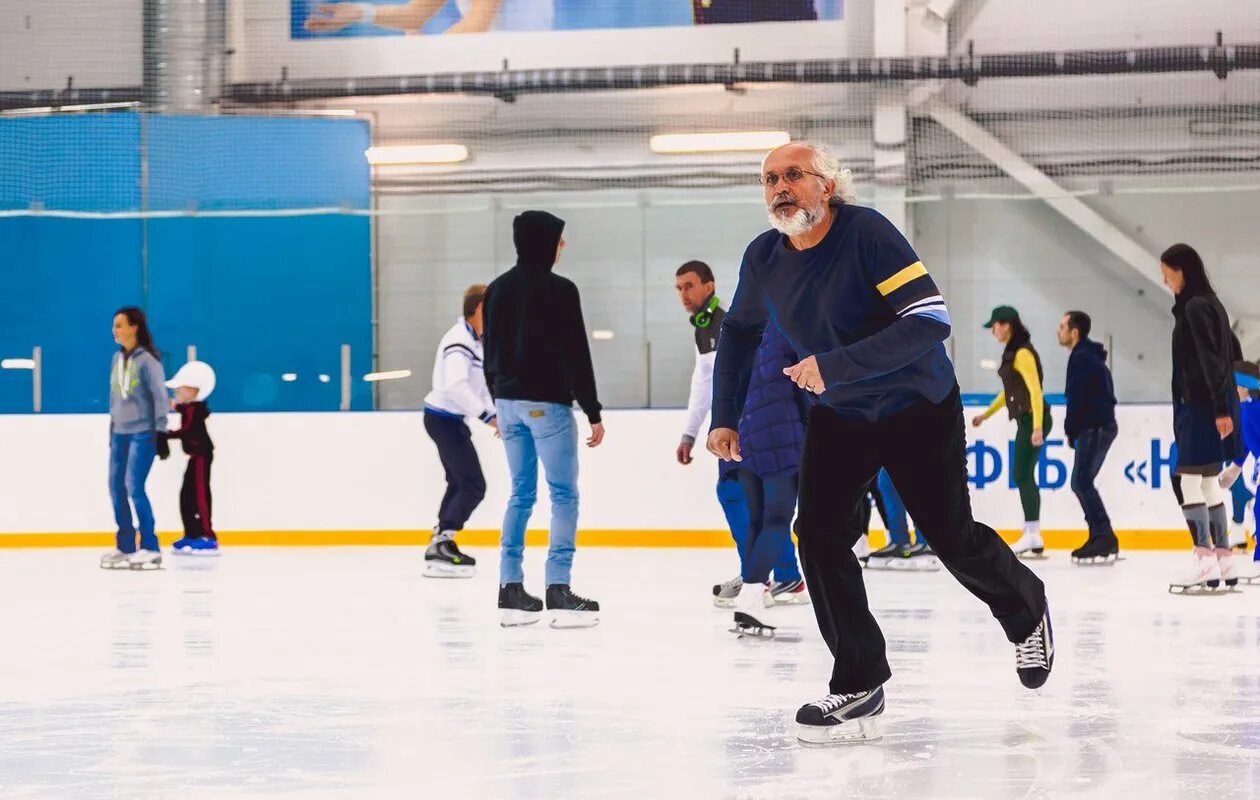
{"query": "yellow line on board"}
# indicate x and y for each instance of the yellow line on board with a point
(1055, 540)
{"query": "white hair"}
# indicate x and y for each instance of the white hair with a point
(828, 166)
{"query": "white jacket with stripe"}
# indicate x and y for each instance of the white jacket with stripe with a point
(459, 379)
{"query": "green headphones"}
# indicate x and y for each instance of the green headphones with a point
(704, 317)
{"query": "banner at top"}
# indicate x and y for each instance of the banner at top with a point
(320, 19)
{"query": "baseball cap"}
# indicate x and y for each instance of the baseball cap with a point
(1002, 314)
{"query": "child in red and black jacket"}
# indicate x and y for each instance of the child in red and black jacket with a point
(193, 384)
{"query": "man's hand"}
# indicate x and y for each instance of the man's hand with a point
(1038, 438)
(977, 420)
(806, 375)
(597, 435)
(332, 17)
(724, 443)
(683, 453)
(1224, 426)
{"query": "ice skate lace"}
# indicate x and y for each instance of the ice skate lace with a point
(833, 702)
(1031, 653)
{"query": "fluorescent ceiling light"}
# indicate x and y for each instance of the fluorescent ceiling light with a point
(289, 377)
(403, 154)
(17, 363)
(602, 335)
(734, 142)
(391, 375)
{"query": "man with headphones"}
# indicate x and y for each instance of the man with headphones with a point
(697, 290)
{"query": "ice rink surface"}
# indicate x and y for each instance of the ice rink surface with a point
(342, 673)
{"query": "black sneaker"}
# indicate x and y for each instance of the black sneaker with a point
(569, 610)
(443, 559)
(1034, 657)
(841, 718)
(517, 607)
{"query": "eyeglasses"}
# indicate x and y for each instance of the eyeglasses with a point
(790, 176)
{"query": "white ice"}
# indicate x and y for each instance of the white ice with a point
(342, 673)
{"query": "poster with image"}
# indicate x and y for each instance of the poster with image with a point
(320, 18)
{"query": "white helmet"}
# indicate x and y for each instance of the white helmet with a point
(197, 375)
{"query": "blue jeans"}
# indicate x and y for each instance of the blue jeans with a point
(130, 459)
(731, 495)
(1092, 446)
(771, 504)
(894, 510)
(531, 432)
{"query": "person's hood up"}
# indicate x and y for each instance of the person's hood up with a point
(536, 235)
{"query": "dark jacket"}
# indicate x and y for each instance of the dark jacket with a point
(1204, 350)
(535, 338)
(1091, 395)
(1018, 398)
(772, 425)
(192, 432)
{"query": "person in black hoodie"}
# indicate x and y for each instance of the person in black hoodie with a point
(1205, 411)
(1090, 425)
(537, 361)
(193, 384)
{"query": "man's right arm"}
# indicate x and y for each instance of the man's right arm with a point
(701, 395)
(737, 346)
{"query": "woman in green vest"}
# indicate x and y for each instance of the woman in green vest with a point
(1025, 401)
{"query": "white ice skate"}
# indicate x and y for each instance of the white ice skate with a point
(116, 559)
(1030, 545)
(750, 612)
(1206, 577)
(862, 549)
(1228, 566)
(1238, 536)
(145, 560)
(724, 594)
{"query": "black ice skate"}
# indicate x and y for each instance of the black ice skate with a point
(887, 556)
(1101, 549)
(841, 718)
(1034, 657)
(443, 559)
(518, 607)
(568, 610)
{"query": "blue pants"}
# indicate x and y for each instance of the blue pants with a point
(731, 495)
(894, 511)
(1092, 446)
(1241, 496)
(771, 504)
(532, 432)
(130, 459)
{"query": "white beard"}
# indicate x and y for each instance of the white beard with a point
(799, 223)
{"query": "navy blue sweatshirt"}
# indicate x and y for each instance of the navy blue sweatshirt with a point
(860, 300)
(1090, 393)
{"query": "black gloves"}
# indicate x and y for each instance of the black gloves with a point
(163, 446)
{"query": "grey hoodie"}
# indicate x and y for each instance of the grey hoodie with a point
(137, 393)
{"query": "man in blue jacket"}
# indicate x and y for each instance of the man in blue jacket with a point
(1091, 429)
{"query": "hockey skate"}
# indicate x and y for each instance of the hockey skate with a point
(144, 560)
(885, 557)
(786, 593)
(1101, 549)
(841, 718)
(862, 549)
(724, 594)
(1034, 657)
(517, 607)
(568, 610)
(1030, 546)
(116, 559)
(443, 559)
(1206, 577)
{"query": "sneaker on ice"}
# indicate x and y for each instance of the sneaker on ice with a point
(569, 610)
(116, 559)
(1034, 657)
(518, 607)
(724, 594)
(839, 718)
(786, 593)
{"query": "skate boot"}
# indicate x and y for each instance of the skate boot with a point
(923, 558)
(1030, 544)
(1034, 657)
(862, 549)
(205, 546)
(145, 560)
(1238, 536)
(116, 559)
(568, 610)
(724, 594)
(841, 718)
(443, 559)
(181, 546)
(1228, 566)
(786, 593)
(889, 557)
(750, 611)
(1205, 578)
(518, 607)
(1101, 549)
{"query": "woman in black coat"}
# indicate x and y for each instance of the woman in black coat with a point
(1205, 411)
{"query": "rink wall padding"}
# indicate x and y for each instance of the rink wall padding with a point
(373, 478)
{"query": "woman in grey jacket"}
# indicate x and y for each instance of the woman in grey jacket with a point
(137, 433)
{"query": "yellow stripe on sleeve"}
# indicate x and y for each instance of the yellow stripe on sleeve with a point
(915, 270)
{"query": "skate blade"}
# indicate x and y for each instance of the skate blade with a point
(797, 599)
(1249, 580)
(112, 567)
(724, 602)
(1095, 561)
(196, 553)
(866, 729)
(439, 570)
(516, 618)
(574, 619)
(1029, 555)
(145, 567)
(1197, 589)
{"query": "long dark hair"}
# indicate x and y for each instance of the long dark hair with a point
(1186, 260)
(144, 337)
(1020, 336)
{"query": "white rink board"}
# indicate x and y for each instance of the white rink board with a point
(379, 471)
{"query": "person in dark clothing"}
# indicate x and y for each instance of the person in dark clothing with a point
(1205, 411)
(866, 319)
(1090, 425)
(1247, 377)
(710, 12)
(1023, 395)
(193, 383)
(537, 360)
